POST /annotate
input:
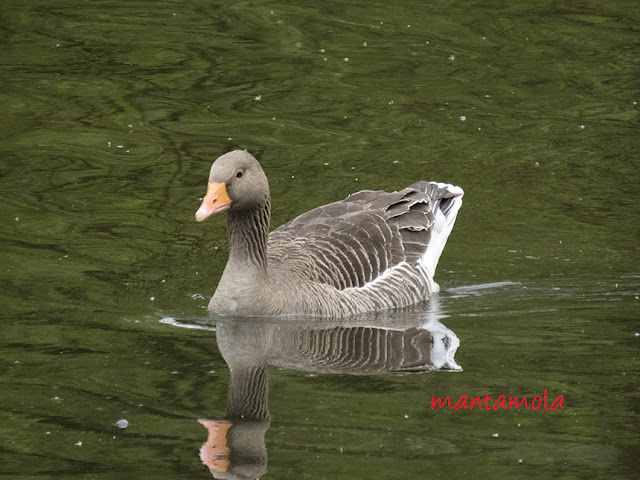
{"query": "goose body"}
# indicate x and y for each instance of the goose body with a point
(372, 251)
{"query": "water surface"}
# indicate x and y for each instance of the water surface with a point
(111, 115)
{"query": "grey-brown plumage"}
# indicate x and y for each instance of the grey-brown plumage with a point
(370, 344)
(372, 251)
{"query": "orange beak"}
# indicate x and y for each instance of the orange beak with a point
(215, 452)
(216, 200)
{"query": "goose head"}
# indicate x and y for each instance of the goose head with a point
(236, 182)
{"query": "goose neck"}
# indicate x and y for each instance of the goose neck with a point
(248, 235)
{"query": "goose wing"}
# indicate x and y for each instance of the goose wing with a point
(354, 241)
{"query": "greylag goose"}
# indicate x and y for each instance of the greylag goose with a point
(372, 251)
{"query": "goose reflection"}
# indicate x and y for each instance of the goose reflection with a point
(377, 344)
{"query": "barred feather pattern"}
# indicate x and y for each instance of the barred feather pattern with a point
(250, 232)
(361, 350)
(365, 253)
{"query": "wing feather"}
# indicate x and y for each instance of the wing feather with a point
(353, 242)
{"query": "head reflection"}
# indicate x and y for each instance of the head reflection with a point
(391, 343)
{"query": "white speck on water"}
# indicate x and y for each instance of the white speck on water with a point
(122, 423)
(17, 361)
(229, 138)
(17, 219)
(322, 50)
(326, 163)
(212, 371)
(462, 117)
(346, 59)
(408, 26)
(109, 144)
(637, 334)
(495, 435)
(152, 298)
(79, 444)
(364, 44)
(120, 146)
(396, 161)
(581, 127)
(273, 118)
(532, 257)
(47, 433)
(519, 460)
(56, 399)
(406, 416)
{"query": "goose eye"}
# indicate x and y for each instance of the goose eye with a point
(239, 173)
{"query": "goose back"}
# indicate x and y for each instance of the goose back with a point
(372, 247)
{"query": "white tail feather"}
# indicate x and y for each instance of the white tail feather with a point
(445, 218)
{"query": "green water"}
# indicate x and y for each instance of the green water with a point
(111, 113)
